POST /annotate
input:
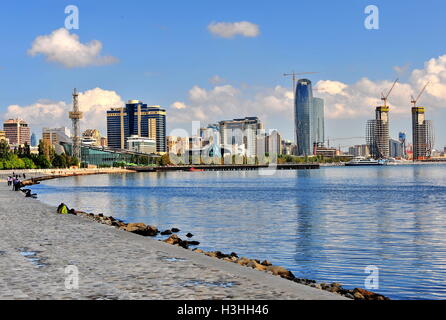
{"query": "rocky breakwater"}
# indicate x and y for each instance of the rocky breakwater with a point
(264, 266)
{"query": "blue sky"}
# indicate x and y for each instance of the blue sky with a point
(164, 49)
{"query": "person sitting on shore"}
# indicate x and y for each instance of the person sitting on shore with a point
(62, 209)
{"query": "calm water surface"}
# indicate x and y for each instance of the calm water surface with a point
(327, 224)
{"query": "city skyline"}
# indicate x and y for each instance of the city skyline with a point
(191, 86)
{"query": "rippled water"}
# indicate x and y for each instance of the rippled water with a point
(327, 224)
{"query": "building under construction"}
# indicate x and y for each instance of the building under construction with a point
(422, 134)
(377, 133)
(377, 130)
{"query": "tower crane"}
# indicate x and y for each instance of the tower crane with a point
(385, 97)
(414, 101)
(294, 78)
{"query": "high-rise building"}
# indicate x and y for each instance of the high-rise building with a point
(33, 140)
(422, 134)
(136, 119)
(240, 134)
(377, 133)
(318, 121)
(274, 143)
(17, 131)
(303, 107)
(309, 119)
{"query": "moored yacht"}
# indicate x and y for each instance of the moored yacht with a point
(361, 161)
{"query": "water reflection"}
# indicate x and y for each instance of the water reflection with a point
(326, 224)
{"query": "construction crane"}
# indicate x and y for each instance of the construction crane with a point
(294, 78)
(414, 101)
(385, 97)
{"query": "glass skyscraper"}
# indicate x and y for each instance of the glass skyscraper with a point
(309, 119)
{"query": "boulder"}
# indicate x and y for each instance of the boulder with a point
(173, 239)
(175, 230)
(193, 243)
(243, 261)
(166, 232)
(362, 294)
(253, 264)
(189, 235)
(198, 250)
(266, 263)
(280, 271)
(141, 229)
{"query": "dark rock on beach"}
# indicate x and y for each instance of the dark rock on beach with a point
(175, 230)
(166, 233)
(189, 235)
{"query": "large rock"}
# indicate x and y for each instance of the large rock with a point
(175, 240)
(243, 261)
(255, 265)
(141, 229)
(280, 271)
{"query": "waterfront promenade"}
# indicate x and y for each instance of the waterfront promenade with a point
(36, 245)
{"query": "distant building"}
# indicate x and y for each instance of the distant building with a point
(402, 139)
(309, 119)
(377, 133)
(104, 142)
(17, 131)
(361, 150)
(327, 152)
(274, 145)
(422, 134)
(91, 137)
(141, 144)
(136, 119)
(54, 136)
(33, 140)
(396, 149)
(240, 135)
(288, 147)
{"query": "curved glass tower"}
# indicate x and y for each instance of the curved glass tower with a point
(303, 118)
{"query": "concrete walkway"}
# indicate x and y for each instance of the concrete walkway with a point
(36, 245)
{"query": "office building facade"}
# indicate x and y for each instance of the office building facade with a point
(136, 119)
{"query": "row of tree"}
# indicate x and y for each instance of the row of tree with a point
(22, 158)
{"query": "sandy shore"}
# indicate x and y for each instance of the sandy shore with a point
(36, 245)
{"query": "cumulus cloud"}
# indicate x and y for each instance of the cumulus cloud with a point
(226, 101)
(64, 48)
(358, 99)
(46, 113)
(343, 101)
(231, 29)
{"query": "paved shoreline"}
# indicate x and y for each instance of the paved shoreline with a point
(36, 245)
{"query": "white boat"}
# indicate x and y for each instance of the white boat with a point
(361, 161)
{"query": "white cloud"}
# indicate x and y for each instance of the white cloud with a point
(64, 48)
(44, 113)
(231, 29)
(343, 101)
